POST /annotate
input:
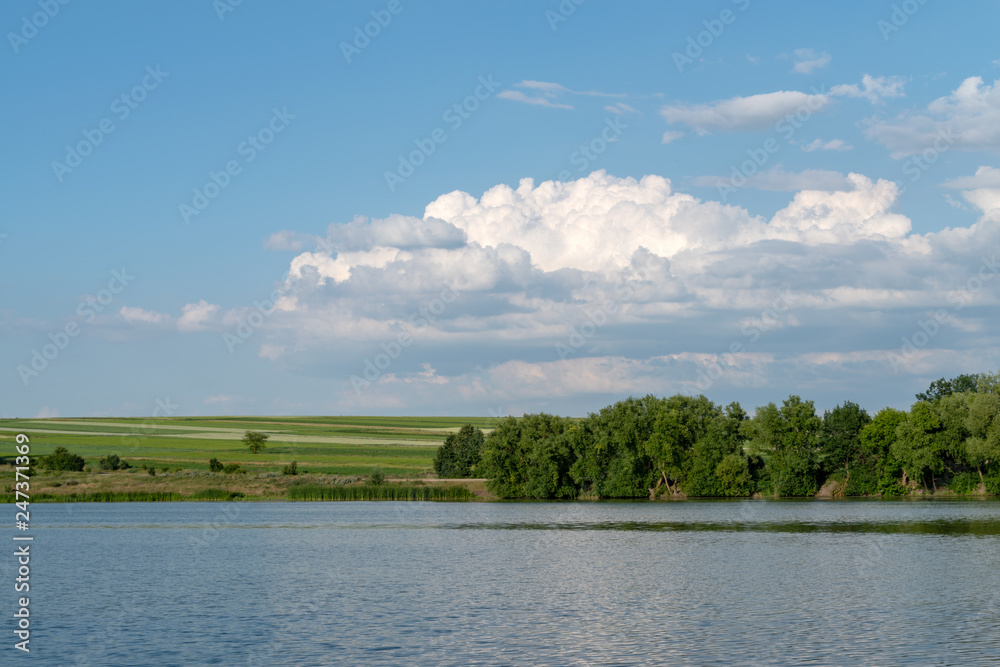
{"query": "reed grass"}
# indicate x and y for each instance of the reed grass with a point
(99, 497)
(378, 492)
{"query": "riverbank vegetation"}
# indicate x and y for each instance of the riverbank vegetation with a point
(684, 446)
(947, 443)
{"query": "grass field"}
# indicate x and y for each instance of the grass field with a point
(180, 449)
(400, 446)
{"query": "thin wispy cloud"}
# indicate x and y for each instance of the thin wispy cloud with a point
(807, 61)
(831, 145)
(549, 94)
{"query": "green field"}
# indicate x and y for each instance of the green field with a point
(400, 446)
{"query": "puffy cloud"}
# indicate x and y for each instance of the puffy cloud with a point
(606, 286)
(968, 119)
(985, 177)
(197, 316)
(982, 190)
(873, 89)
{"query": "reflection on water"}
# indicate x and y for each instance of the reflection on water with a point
(515, 583)
(940, 527)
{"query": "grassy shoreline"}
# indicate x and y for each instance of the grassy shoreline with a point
(136, 485)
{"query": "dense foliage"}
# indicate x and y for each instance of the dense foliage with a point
(460, 453)
(61, 459)
(688, 446)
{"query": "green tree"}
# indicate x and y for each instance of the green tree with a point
(215, 465)
(615, 463)
(255, 441)
(917, 443)
(679, 422)
(734, 476)
(942, 387)
(721, 439)
(62, 459)
(989, 383)
(877, 439)
(788, 440)
(983, 424)
(840, 439)
(460, 453)
(531, 457)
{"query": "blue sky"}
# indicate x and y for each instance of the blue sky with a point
(744, 199)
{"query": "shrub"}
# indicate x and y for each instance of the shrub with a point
(72, 482)
(965, 483)
(113, 462)
(152, 471)
(215, 465)
(291, 469)
(460, 453)
(233, 468)
(377, 477)
(61, 459)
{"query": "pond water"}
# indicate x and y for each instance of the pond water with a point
(599, 583)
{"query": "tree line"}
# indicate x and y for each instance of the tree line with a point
(687, 446)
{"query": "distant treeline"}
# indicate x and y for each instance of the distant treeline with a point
(684, 445)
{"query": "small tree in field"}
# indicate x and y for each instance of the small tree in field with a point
(255, 441)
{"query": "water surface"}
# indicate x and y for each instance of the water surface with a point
(608, 583)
